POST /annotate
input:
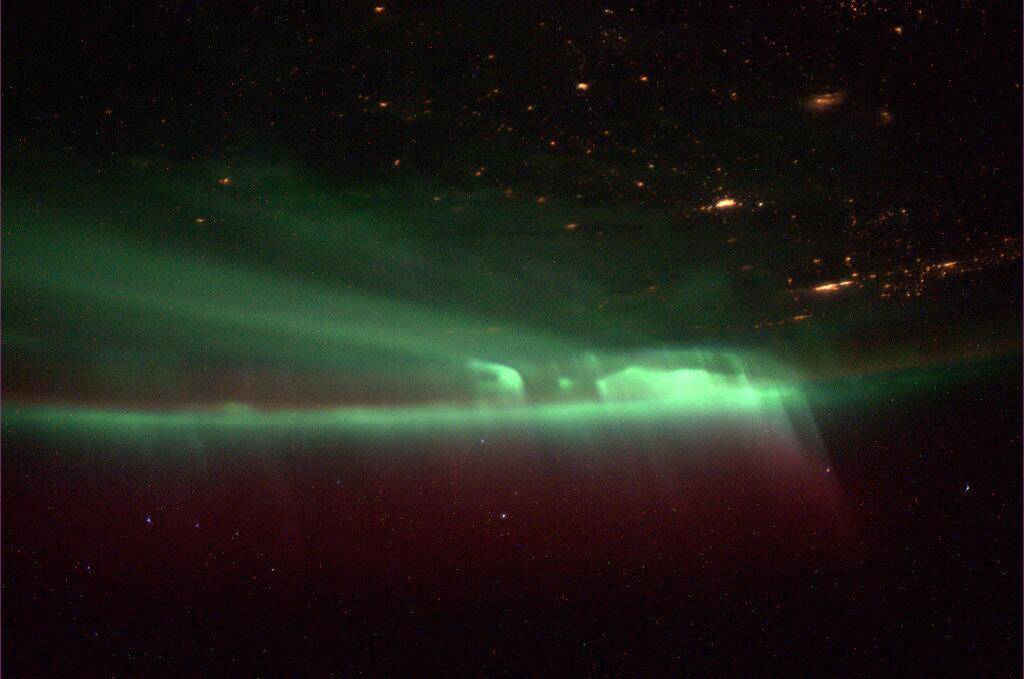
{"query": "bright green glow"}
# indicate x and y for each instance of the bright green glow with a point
(148, 281)
(691, 410)
(641, 384)
(484, 313)
(698, 404)
(113, 277)
(667, 399)
(497, 383)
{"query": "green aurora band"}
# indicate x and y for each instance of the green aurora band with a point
(135, 295)
(634, 402)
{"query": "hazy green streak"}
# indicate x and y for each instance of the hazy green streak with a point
(234, 308)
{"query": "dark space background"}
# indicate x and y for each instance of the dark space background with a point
(469, 119)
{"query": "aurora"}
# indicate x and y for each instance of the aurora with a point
(635, 400)
(511, 339)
